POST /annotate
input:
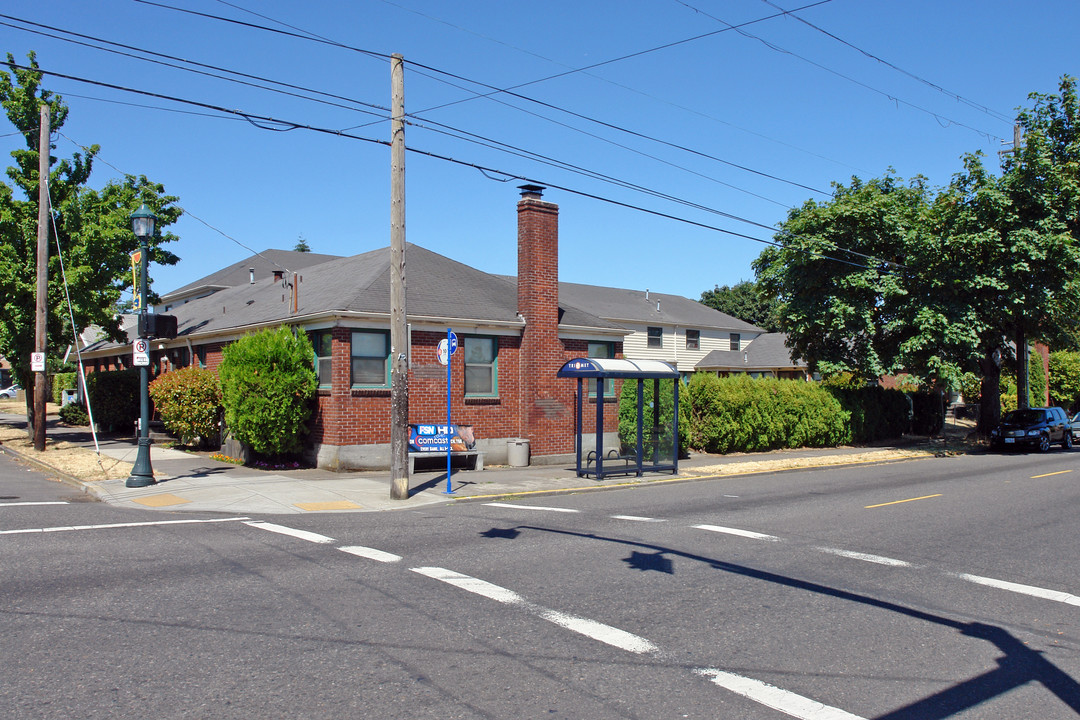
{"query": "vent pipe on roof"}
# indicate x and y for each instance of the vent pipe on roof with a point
(279, 275)
(251, 276)
(646, 293)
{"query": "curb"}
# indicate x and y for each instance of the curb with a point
(60, 475)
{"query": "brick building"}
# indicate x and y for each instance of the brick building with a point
(514, 336)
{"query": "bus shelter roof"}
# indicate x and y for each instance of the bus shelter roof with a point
(616, 368)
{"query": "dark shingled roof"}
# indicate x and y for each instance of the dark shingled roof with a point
(764, 352)
(436, 287)
(631, 305)
(264, 263)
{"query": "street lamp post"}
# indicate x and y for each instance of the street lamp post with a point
(142, 473)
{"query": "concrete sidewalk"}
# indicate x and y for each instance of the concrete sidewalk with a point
(192, 482)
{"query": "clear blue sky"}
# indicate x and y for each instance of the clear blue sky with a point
(795, 107)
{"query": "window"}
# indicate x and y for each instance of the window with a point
(370, 359)
(481, 366)
(693, 339)
(656, 337)
(602, 350)
(200, 355)
(322, 342)
(735, 342)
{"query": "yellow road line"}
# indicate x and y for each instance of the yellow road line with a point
(897, 502)
(1059, 472)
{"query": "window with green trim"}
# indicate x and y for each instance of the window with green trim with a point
(370, 358)
(322, 343)
(481, 366)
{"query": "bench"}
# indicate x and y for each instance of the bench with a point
(459, 459)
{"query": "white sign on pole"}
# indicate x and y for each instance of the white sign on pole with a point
(37, 362)
(444, 355)
(142, 353)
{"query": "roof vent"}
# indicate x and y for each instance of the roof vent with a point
(251, 276)
(531, 191)
(279, 275)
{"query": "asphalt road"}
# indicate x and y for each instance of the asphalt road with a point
(931, 589)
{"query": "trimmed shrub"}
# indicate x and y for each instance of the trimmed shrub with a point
(929, 412)
(61, 382)
(267, 380)
(114, 398)
(1065, 378)
(189, 403)
(73, 414)
(742, 414)
(628, 418)
(876, 413)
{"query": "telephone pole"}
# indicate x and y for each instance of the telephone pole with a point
(399, 335)
(42, 305)
(1023, 381)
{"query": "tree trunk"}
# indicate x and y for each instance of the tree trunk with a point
(990, 392)
(1023, 395)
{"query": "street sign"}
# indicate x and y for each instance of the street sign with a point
(452, 337)
(37, 362)
(141, 350)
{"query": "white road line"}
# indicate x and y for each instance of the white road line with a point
(583, 626)
(34, 502)
(636, 518)
(879, 559)
(1055, 595)
(599, 631)
(736, 531)
(111, 526)
(370, 553)
(473, 585)
(532, 507)
(292, 532)
(772, 696)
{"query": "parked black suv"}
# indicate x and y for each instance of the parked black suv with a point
(1033, 427)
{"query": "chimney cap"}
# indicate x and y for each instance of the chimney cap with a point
(527, 190)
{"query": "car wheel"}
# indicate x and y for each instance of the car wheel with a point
(1044, 442)
(1066, 441)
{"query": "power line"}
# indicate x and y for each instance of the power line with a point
(970, 103)
(784, 51)
(256, 119)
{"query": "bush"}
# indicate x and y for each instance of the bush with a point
(61, 382)
(189, 403)
(929, 412)
(73, 414)
(267, 380)
(740, 414)
(1065, 378)
(875, 412)
(114, 398)
(628, 418)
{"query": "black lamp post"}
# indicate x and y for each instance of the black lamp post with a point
(143, 221)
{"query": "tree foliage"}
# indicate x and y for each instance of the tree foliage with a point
(92, 228)
(746, 301)
(267, 380)
(1065, 378)
(888, 276)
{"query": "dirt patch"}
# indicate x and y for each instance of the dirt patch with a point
(73, 460)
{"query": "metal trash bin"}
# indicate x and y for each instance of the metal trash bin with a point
(68, 397)
(517, 452)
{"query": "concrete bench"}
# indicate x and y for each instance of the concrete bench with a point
(465, 460)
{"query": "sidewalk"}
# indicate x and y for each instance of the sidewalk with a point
(192, 482)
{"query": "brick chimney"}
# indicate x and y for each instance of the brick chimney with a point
(545, 410)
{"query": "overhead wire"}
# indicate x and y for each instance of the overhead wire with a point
(784, 51)
(486, 170)
(956, 96)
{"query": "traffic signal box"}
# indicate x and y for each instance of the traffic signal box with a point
(157, 326)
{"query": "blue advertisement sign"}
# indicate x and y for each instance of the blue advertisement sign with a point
(440, 438)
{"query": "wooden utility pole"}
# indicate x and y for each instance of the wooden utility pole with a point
(42, 276)
(1023, 381)
(399, 337)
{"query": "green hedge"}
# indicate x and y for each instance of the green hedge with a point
(875, 412)
(189, 403)
(628, 418)
(61, 382)
(114, 398)
(741, 414)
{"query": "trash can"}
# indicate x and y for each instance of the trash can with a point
(517, 452)
(68, 397)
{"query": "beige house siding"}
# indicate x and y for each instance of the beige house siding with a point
(636, 345)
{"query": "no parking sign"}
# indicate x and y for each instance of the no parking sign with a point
(142, 352)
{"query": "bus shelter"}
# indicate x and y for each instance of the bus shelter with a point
(615, 461)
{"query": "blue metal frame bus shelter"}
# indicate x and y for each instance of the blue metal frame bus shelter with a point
(609, 370)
